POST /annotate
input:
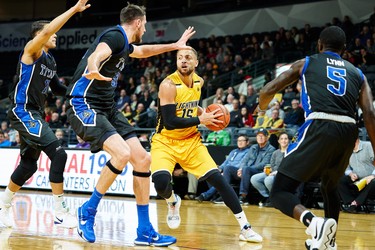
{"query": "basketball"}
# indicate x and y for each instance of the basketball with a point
(225, 117)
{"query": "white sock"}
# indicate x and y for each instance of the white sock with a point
(59, 202)
(172, 198)
(241, 218)
(7, 196)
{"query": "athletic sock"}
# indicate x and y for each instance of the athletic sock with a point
(7, 196)
(241, 218)
(306, 217)
(143, 217)
(94, 200)
(172, 198)
(59, 202)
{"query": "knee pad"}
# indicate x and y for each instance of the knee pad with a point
(24, 171)
(162, 183)
(142, 174)
(58, 157)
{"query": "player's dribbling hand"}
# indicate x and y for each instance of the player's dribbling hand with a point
(81, 5)
(96, 75)
(209, 118)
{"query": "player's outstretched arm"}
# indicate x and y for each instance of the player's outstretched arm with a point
(286, 78)
(55, 25)
(143, 51)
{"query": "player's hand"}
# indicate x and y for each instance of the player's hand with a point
(181, 43)
(209, 118)
(96, 75)
(81, 5)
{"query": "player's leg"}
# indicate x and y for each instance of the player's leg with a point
(164, 157)
(120, 155)
(58, 157)
(25, 169)
(140, 161)
(200, 163)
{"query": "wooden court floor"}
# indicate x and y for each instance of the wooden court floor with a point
(204, 226)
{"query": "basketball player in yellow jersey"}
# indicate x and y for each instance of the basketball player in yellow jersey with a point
(177, 140)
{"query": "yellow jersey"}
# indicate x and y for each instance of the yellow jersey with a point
(186, 101)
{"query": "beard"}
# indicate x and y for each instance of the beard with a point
(186, 72)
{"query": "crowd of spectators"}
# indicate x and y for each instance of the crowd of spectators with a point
(137, 86)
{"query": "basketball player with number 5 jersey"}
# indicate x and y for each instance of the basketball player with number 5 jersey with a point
(177, 140)
(331, 89)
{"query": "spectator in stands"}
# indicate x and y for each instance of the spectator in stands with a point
(253, 163)
(364, 34)
(130, 86)
(355, 50)
(55, 121)
(245, 119)
(235, 115)
(134, 102)
(3, 141)
(142, 87)
(232, 91)
(370, 46)
(122, 100)
(348, 27)
(228, 102)
(288, 96)
(251, 98)
(275, 105)
(360, 168)
(295, 117)
(58, 104)
(242, 102)
(260, 120)
(59, 133)
(263, 181)
(128, 113)
(219, 95)
(242, 89)
(232, 161)
(150, 70)
(146, 99)
(274, 125)
(140, 116)
(4, 127)
(17, 139)
(81, 143)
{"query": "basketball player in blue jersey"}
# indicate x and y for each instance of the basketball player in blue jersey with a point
(177, 140)
(93, 115)
(331, 89)
(36, 73)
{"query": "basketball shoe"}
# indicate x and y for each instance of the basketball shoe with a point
(322, 231)
(150, 237)
(332, 245)
(86, 221)
(5, 216)
(247, 234)
(64, 219)
(173, 217)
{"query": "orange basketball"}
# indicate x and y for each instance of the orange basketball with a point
(225, 117)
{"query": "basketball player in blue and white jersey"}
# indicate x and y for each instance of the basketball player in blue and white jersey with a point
(331, 90)
(36, 73)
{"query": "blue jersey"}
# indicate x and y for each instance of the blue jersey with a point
(84, 94)
(330, 84)
(33, 82)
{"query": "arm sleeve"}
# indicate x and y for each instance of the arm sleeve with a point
(57, 88)
(171, 121)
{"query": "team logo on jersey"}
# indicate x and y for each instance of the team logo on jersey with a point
(86, 114)
(32, 124)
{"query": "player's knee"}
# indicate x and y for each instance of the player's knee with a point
(58, 160)
(162, 183)
(121, 158)
(24, 171)
(142, 163)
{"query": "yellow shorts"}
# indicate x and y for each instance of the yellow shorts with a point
(190, 153)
